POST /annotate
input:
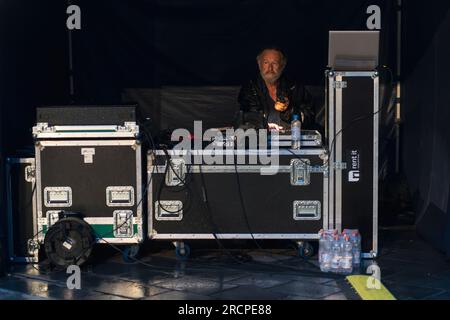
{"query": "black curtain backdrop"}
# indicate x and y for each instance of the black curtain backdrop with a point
(426, 113)
(34, 70)
(187, 59)
(178, 59)
(2, 185)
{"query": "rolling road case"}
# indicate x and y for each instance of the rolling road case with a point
(99, 179)
(21, 208)
(90, 171)
(353, 107)
(236, 201)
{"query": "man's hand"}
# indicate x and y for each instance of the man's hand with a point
(281, 106)
(274, 126)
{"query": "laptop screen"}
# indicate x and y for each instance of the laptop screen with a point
(353, 50)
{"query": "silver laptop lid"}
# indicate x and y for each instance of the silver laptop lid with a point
(353, 50)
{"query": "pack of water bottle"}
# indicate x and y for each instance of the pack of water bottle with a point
(339, 252)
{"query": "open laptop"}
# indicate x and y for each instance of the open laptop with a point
(353, 50)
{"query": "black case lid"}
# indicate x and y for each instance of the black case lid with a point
(86, 115)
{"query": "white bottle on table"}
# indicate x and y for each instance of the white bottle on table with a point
(296, 126)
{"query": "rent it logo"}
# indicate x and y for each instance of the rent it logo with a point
(354, 172)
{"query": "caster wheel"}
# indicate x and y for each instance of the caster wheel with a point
(69, 242)
(130, 253)
(183, 253)
(305, 250)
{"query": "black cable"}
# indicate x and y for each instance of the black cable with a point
(208, 208)
(185, 185)
(241, 199)
(242, 205)
(204, 196)
(357, 119)
(182, 181)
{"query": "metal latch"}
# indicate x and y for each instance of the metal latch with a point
(88, 154)
(41, 127)
(300, 172)
(171, 210)
(58, 196)
(52, 217)
(340, 165)
(30, 173)
(318, 169)
(131, 127)
(123, 223)
(32, 246)
(120, 196)
(307, 210)
(176, 172)
(340, 84)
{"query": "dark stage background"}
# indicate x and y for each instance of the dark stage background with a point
(185, 60)
(426, 112)
(181, 60)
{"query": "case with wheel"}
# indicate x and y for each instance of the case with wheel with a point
(191, 198)
(22, 230)
(90, 172)
(353, 104)
(98, 179)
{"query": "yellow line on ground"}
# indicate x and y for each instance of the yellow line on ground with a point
(369, 288)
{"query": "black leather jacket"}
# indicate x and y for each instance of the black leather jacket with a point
(255, 103)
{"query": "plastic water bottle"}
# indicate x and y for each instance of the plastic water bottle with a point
(346, 262)
(296, 126)
(335, 254)
(321, 243)
(325, 241)
(355, 239)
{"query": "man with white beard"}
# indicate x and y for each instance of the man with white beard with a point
(270, 100)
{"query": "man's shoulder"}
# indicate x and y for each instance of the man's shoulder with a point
(250, 87)
(250, 83)
(292, 84)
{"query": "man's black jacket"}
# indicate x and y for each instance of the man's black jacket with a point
(255, 107)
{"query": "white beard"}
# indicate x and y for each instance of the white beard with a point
(271, 78)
